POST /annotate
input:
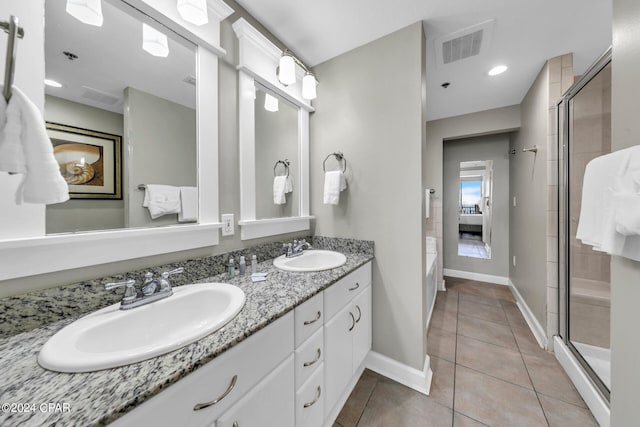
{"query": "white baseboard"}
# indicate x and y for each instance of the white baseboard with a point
(535, 326)
(405, 375)
(596, 403)
(498, 280)
(441, 286)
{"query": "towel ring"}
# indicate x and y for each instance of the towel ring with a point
(286, 164)
(339, 157)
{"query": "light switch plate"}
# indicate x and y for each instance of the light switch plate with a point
(227, 225)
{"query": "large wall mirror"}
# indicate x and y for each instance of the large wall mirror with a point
(121, 108)
(274, 142)
(138, 102)
(475, 209)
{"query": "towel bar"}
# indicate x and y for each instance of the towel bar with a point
(10, 27)
(339, 157)
(286, 164)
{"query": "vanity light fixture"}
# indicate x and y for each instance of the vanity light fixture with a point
(498, 69)
(154, 42)
(270, 102)
(194, 11)
(52, 83)
(286, 72)
(86, 11)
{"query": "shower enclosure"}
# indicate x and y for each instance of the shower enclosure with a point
(584, 121)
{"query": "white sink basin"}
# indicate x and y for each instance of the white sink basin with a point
(111, 337)
(311, 260)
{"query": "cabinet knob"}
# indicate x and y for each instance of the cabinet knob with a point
(318, 393)
(222, 396)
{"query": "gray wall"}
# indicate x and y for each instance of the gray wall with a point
(528, 219)
(160, 148)
(490, 147)
(276, 139)
(83, 214)
(625, 274)
(371, 110)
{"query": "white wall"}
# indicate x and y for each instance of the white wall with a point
(490, 147)
(625, 274)
(370, 108)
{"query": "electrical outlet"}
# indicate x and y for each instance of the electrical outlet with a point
(514, 260)
(227, 225)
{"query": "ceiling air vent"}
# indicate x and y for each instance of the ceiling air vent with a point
(465, 43)
(99, 96)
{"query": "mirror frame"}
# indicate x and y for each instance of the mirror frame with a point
(257, 62)
(44, 254)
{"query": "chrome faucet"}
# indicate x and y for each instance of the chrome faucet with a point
(296, 248)
(150, 291)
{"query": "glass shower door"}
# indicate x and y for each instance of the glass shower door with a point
(585, 273)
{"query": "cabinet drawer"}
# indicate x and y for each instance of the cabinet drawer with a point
(249, 361)
(339, 294)
(310, 401)
(309, 317)
(270, 403)
(309, 356)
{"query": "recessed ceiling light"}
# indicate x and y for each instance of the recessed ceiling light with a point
(52, 83)
(498, 69)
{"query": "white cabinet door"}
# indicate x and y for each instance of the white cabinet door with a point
(310, 401)
(270, 403)
(362, 331)
(338, 359)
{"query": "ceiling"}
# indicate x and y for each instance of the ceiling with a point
(525, 34)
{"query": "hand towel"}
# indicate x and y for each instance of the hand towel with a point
(26, 148)
(188, 204)
(280, 189)
(162, 200)
(334, 183)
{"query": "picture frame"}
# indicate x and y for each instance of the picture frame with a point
(90, 161)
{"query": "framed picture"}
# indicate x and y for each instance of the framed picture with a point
(90, 161)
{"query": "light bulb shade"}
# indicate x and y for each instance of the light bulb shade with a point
(270, 103)
(194, 11)
(86, 11)
(154, 42)
(309, 84)
(287, 74)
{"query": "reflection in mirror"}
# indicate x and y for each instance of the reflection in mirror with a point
(474, 209)
(123, 115)
(276, 133)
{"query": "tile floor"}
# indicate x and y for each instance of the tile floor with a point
(472, 246)
(488, 370)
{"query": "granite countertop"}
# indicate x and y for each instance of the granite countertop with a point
(97, 398)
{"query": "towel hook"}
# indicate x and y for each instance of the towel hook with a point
(286, 164)
(533, 149)
(339, 157)
(10, 27)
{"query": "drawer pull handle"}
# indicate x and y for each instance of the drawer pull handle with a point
(355, 287)
(318, 354)
(353, 319)
(309, 322)
(359, 314)
(318, 393)
(213, 402)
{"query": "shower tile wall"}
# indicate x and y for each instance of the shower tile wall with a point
(561, 77)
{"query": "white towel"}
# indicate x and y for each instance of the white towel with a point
(161, 200)
(608, 219)
(281, 186)
(26, 148)
(188, 204)
(334, 183)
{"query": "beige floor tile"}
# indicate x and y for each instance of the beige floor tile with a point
(527, 343)
(447, 301)
(496, 402)
(442, 381)
(493, 333)
(504, 293)
(562, 414)
(480, 299)
(460, 420)
(514, 316)
(394, 405)
(441, 344)
(499, 362)
(354, 407)
(446, 320)
(549, 378)
(482, 311)
(471, 287)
